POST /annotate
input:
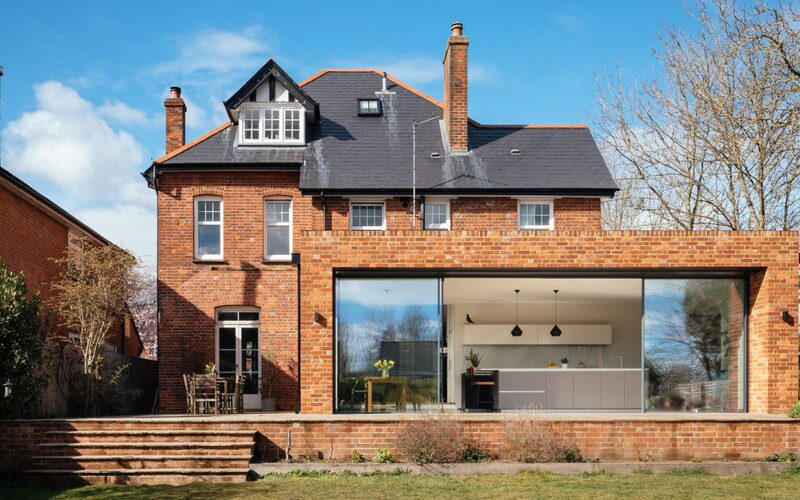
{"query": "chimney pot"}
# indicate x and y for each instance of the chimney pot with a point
(456, 29)
(174, 92)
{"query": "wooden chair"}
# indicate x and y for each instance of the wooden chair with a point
(206, 394)
(484, 379)
(188, 384)
(238, 394)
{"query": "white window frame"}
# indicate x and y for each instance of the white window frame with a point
(262, 108)
(221, 224)
(547, 227)
(288, 256)
(382, 204)
(251, 401)
(436, 227)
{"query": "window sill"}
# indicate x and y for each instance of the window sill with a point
(210, 261)
(282, 260)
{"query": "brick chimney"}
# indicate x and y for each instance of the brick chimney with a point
(176, 119)
(455, 89)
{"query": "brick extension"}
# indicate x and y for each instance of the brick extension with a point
(771, 256)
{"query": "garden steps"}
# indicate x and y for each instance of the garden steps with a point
(147, 454)
(138, 476)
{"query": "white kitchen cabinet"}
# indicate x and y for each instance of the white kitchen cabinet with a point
(613, 390)
(537, 335)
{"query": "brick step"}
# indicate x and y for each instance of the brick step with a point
(136, 476)
(144, 448)
(159, 435)
(94, 462)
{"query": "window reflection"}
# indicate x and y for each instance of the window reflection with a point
(694, 345)
(395, 324)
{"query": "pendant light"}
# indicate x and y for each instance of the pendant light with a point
(516, 331)
(555, 331)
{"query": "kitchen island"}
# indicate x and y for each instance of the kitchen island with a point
(569, 388)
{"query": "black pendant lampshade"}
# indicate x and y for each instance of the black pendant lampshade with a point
(516, 331)
(555, 331)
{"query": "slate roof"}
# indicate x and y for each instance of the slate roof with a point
(348, 153)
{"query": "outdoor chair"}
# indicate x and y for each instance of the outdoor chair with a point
(206, 394)
(188, 384)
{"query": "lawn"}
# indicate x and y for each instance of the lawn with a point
(525, 485)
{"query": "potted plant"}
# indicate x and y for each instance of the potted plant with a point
(210, 368)
(564, 363)
(383, 366)
(474, 360)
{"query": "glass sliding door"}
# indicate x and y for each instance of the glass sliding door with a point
(695, 345)
(388, 335)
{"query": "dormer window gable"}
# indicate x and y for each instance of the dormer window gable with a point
(271, 109)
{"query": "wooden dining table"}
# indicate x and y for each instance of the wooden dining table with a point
(390, 381)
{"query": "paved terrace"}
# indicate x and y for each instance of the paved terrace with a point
(475, 417)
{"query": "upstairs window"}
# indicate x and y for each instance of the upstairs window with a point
(367, 216)
(437, 214)
(536, 215)
(250, 127)
(278, 232)
(208, 228)
(291, 127)
(369, 107)
(272, 125)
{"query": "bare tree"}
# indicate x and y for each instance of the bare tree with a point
(710, 142)
(90, 297)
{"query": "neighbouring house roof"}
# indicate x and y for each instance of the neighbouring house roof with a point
(346, 153)
(49, 205)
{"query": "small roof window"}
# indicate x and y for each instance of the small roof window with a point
(369, 107)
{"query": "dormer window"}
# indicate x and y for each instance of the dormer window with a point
(369, 107)
(272, 124)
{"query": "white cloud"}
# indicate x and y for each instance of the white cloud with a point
(217, 51)
(120, 112)
(67, 141)
(568, 22)
(132, 226)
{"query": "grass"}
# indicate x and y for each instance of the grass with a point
(401, 485)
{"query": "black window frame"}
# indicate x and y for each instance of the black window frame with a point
(380, 106)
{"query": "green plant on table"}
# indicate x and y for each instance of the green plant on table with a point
(473, 358)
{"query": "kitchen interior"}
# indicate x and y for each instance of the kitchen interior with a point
(577, 349)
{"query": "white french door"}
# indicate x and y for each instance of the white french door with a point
(237, 346)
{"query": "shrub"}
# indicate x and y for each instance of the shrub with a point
(384, 457)
(532, 441)
(781, 457)
(473, 453)
(431, 439)
(571, 455)
(795, 411)
(356, 457)
(22, 342)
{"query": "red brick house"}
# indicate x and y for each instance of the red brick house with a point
(349, 219)
(35, 230)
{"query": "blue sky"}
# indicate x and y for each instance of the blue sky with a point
(85, 81)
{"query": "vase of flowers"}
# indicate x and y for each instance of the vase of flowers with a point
(383, 366)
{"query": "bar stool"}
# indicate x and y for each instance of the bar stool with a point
(477, 384)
